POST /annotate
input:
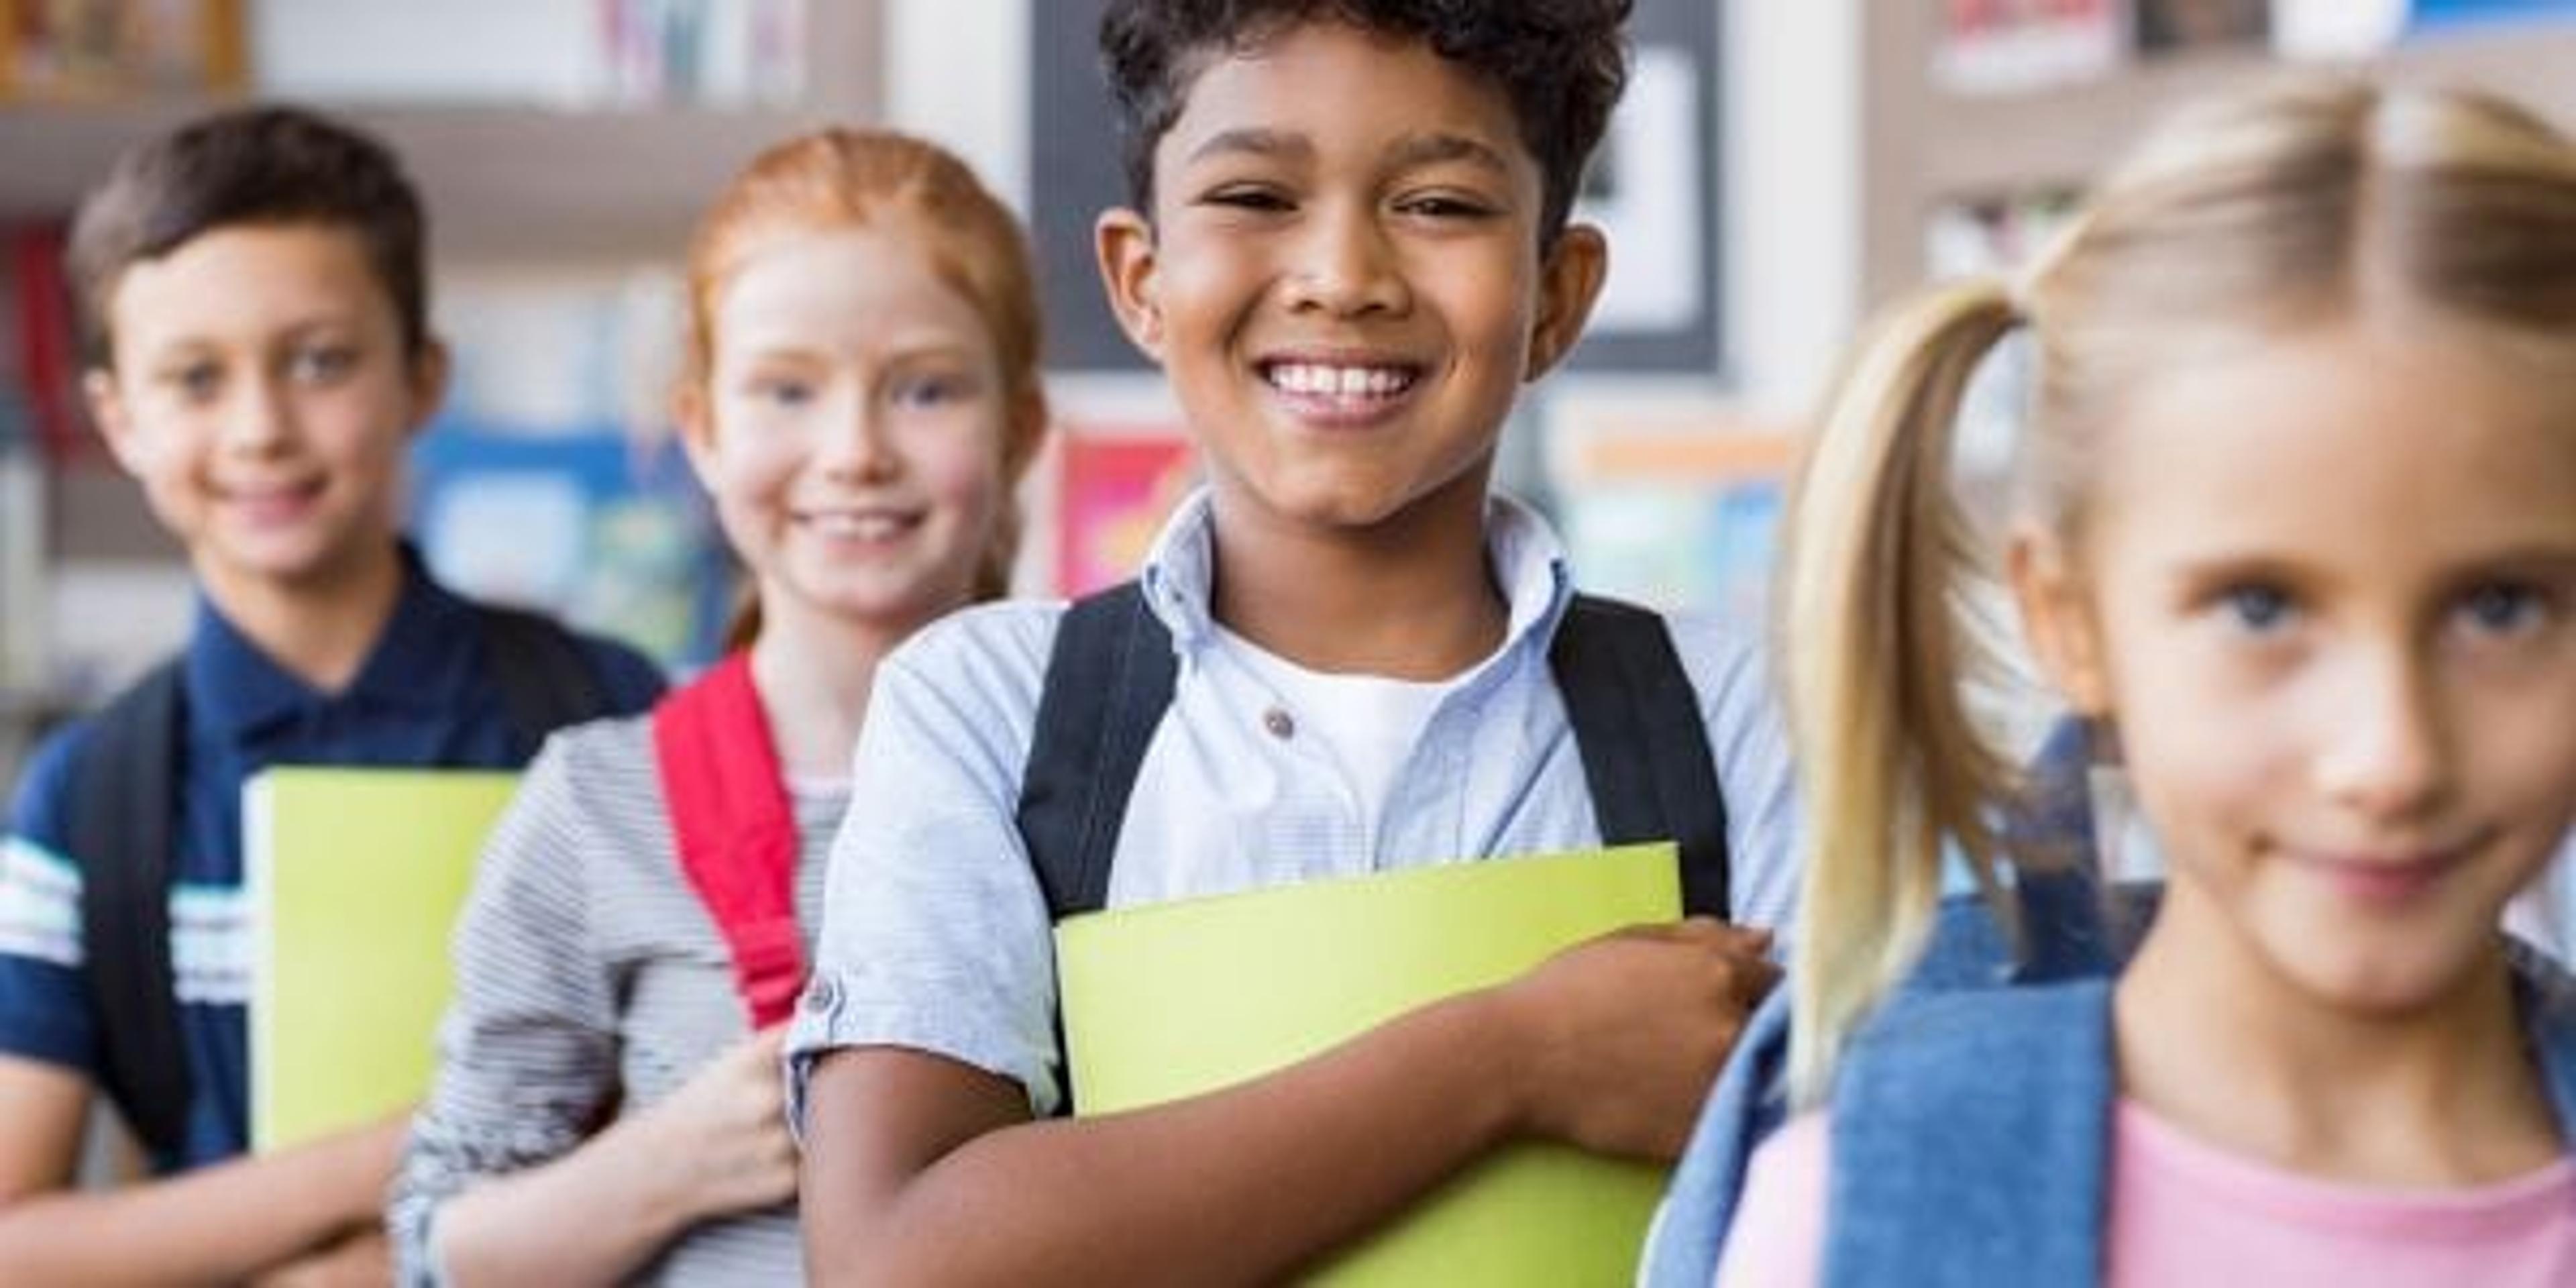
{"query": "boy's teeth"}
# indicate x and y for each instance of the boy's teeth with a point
(1339, 382)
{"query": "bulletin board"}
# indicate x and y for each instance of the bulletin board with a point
(1654, 188)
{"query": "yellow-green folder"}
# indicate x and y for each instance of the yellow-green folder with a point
(1172, 999)
(355, 877)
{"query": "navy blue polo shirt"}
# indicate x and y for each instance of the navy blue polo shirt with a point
(425, 697)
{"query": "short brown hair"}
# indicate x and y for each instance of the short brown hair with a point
(260, 165)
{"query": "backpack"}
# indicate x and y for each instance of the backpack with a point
(735, 831)
(124, 795)
(1970, 1135)
(1109, 678)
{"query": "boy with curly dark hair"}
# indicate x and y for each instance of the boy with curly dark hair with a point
(1349, 250)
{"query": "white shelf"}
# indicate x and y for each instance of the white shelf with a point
(500, 181)
(1926, 146)
(1999, 143)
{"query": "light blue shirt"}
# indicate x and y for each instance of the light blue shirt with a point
(936, 937)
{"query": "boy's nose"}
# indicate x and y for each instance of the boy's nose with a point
(259, 418)
(2387, 753)
(1346, 268)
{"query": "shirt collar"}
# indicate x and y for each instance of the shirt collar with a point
(424, 660)
(1527, 559)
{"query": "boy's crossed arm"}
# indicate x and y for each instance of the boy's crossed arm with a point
(924, 1170)
(226, 1223)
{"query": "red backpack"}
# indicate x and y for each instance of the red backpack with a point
(735, 830)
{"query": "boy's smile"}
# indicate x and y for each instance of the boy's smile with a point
(1342, 277)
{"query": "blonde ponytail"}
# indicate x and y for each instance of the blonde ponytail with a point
(1876, 649)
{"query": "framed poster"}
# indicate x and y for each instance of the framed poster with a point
(1653, 188)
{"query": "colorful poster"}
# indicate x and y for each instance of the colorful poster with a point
(1114, 492)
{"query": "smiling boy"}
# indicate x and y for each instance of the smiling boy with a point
(255, 316)
(1349, 251)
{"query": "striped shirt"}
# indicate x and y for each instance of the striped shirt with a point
(588, 973)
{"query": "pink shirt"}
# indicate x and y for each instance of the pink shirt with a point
(2183, 1212)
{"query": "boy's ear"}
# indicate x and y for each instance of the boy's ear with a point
(2057, 617)
(108, 411)
(430, 369)
(1569, 283)
(1124, 242)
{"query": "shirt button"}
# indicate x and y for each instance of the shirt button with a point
(1280, 724)
(822, 995)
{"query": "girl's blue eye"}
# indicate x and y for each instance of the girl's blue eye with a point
(2258, 609)
(198, 382)
(935, 391)
(2501, 608)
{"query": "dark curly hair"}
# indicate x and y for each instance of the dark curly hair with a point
(243, 166)
(1561, 63)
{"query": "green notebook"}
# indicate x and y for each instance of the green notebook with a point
(1172, 999)
(355, 877)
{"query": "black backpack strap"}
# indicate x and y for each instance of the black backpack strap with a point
(1637, 724)
(1108, 681)
(124, 798)
(546, 680)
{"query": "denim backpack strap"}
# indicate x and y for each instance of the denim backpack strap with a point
(1971, 1138)
(2548, 996)
(1689, 1234)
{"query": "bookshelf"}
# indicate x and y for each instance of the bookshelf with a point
(507, 182)
(1925, 145)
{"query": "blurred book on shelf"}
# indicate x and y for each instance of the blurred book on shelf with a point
(552, 479)
(1114, 488)
(2173, 26)
(39, 358)
(2013, 46)
(1676, 511)
(623, 53)
(70, 51)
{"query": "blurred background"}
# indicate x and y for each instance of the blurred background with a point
(1778, 168)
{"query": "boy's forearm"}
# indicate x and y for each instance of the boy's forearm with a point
(223, 1223)
(1244, 1185)
(511, 1229)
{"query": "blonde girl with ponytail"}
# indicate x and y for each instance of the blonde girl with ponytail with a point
(2294, 521)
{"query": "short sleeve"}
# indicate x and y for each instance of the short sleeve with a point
(1779, 1232)
(1750, 743)
(528, 1047)
(45, 1009)
(935, 937)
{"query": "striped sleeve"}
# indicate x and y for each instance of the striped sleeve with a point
(528, 1048)
(45, 1011)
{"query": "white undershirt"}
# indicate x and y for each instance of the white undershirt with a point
(1369, 723)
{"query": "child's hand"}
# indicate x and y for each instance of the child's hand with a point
(725, 1130)
(1621, 1037)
